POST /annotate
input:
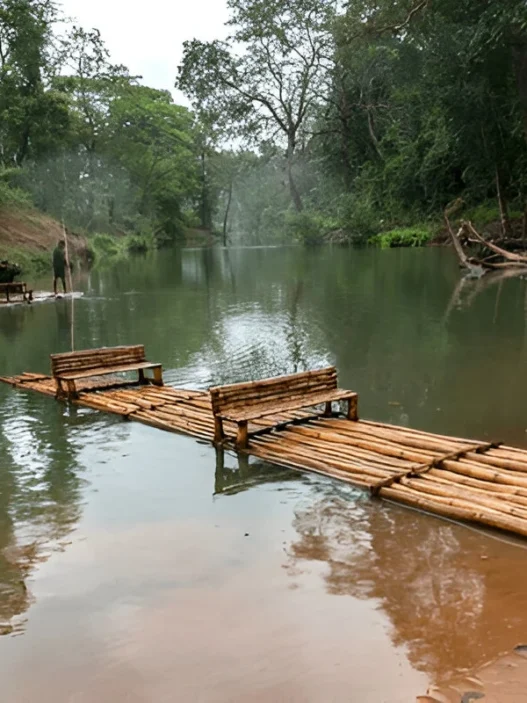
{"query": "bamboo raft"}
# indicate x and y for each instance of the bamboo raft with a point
(483, 483)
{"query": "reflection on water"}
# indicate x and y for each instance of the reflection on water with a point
(452, 596)
(420, 348)
(237, 473)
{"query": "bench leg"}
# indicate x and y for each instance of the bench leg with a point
(142, 379)
(328, 411)
(242, 438)
(60, 390)
(72, 389)
(219, 435)
(353, 404)
(158, 376)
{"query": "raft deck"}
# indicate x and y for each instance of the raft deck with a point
(483, 483)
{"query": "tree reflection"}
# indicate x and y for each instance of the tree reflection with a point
(451, 609)
(40, 496)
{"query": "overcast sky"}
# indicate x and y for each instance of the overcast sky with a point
(148, 35)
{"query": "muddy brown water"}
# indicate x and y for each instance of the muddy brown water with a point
(135, 566)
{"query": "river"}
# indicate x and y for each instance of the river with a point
(134, 566)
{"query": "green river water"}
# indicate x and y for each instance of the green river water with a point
(133, 567)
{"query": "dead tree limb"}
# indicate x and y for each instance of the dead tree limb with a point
(454, 238)
(509, 256)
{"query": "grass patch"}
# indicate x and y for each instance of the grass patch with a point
(13, 197)
(30, 262)
(402, 237)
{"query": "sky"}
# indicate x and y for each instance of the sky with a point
(147, 35)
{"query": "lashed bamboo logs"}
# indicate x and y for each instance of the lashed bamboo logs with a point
(452, 477)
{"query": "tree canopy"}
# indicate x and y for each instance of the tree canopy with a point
(313, 116)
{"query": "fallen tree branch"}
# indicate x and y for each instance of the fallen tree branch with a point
(463, 259)
(509, 256)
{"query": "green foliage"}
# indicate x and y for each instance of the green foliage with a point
(105, 246)
(358, 216)
(304, 227)
(405, 237)
(361, 117)
(266, 77)
(29, 262)
(309, 227)
(140, 243)
(13, 197)
(89, 144)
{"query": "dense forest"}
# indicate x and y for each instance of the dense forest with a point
(314, 118)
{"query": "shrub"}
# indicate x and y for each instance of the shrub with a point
(139, 243)
(14, 197)
(105, 246)
(309, 227)
(404, 237)
(358, 216)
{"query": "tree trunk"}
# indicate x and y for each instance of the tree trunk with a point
(226, 216)
(504, 212)
(205, 214)
(520, 69)
(24, 145)
(111, 209)
(295, 195)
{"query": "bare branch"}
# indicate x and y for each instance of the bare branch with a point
(396, 28)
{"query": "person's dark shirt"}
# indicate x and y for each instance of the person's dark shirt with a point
(59, 262)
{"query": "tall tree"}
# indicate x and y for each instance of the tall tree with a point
(266, 79)
(31, 116)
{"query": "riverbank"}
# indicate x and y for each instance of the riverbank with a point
(27, 237)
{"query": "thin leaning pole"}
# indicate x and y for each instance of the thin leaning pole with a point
(70, 285)
(68, 265)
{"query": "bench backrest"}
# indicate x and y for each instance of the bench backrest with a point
(272, 390)
(13, 287)
(89, 359)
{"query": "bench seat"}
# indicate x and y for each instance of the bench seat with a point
(306, 401)
(73, 366)
(17, 288)
(74, 375)
(242, 402)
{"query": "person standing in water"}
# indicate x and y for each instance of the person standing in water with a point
(59, 266)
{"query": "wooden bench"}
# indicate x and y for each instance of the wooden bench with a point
(242, 402)
(73, 366)
(9, 289)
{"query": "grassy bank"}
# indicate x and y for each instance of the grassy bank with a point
(28, 237)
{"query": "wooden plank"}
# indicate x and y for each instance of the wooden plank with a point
(303, 401)
(255, 396)
(104, 371)
(330, 370)
(255, 391)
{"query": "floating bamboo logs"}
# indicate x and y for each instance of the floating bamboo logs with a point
(448, 476)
